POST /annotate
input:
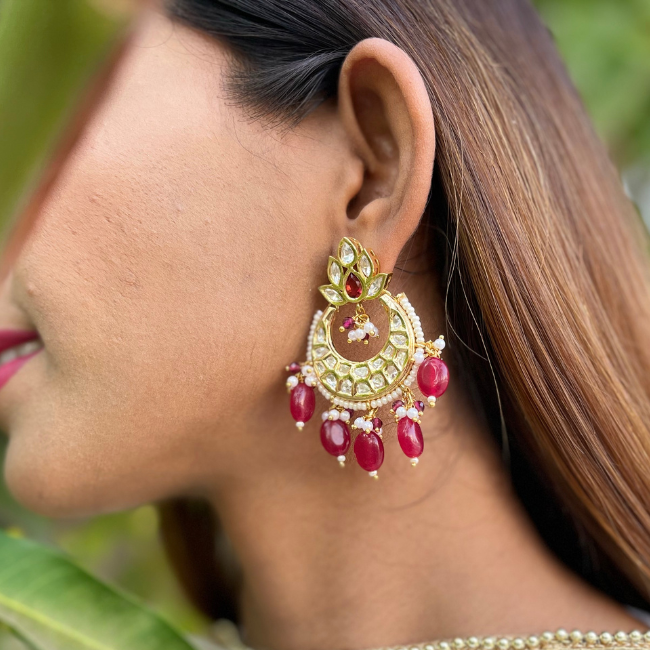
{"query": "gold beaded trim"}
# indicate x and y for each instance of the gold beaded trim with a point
(575, 639)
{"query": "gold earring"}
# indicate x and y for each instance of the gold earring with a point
(366, 386)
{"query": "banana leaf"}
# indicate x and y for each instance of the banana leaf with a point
(56, 57)
(51, 604)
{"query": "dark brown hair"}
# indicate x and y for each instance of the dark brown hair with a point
(541, 257)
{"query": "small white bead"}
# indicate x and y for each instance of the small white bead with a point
(375, 331)
(325, 415)
(334, 415)
(341, 459)
(412, 413)
(419, 339)
(396, 393)
(415, 461)
(432, 400)
(368, 328)
(418, 358)
(344, 416)
(408, 381)
(373, 473)
(292, 381)
(310, 380)
(400, 412)
(300, 425)
(368, 425)
(373, 403)
(439, 344)
(358, 423)
(307, 370)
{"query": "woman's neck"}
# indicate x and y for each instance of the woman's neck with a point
(332, 559)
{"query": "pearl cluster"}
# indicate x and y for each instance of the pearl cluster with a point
(361, 331)
(410, 413)
(575, 639)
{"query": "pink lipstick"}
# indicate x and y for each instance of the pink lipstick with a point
(16, 348)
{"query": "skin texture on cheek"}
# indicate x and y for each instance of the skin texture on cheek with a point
(162, 279)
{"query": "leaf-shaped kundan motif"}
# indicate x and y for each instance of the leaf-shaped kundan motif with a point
(347, 252)
(365, 265)
(334, 272)
(51, 604)
(376, 285)
(332, 294)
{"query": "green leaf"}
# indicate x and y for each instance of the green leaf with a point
(54, 59)
(51, 604)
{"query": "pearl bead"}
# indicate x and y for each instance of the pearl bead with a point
(368, 425)
(547, 637)
(459, 643)
(325, 415)
(432, 400)
(635, 636)
(561, 635)
(368, 328)
(518, 644)
(473, 642)
(621, 637)
(412, 413)
(358, 423)
(341, 458)
(591, 638)
(307, 370)
(300, 425)
(606, 638)
(532, 641)
(439, 344)
(344, 416)
(310, 380)
(408, 381)
(333, 415)
(400, 412)
(488, 643)
(503, 644)
(576, 636)
(292, 381)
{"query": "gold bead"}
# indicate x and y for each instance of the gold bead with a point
(576, 636)
(620, 637)
(341, 329)
(341, 463)
(606, 638)
(532, 641)
(591, 638)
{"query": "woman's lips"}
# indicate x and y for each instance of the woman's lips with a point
(16, 348)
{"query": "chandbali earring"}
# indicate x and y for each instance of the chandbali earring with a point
(362, 388)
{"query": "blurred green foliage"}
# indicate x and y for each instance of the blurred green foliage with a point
(606, 45)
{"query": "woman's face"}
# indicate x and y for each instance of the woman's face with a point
(171, 277)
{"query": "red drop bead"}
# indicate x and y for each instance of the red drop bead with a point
(369, 450)
(348, 322)
(433, 377)
(335, 437)
(353, 286)
(294, 367)
(376, 424)
(419, 405)
(396, 405)
(302, 403)
(409, 435)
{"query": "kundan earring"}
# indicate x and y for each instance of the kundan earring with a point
(362, 388)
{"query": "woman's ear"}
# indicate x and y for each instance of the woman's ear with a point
(386, 111)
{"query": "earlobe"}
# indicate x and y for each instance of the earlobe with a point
(385, 108)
